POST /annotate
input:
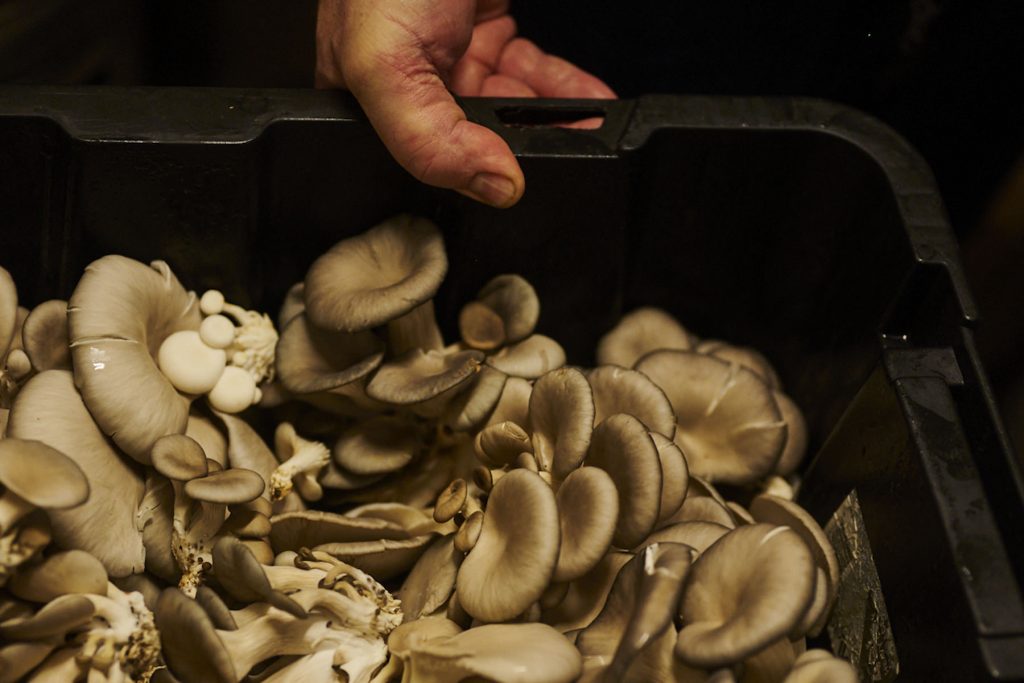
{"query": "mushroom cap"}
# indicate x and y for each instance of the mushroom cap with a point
(45, 336)
(745, 592)
(561, 420)
(56, 618)
(471, 408)
(480, 327)
(379, 445)
(529, 358)
(623, 447)
(502, 653)
(118, 316)
(41, 475)
(189, 642)
(640, 332)
(774, 510)
(698, 535)
(432, 579)
(8, 310)
(588, 512)
(513, 560)
(515, 301)
(450, 501)
(310, 359)
(383, 558)
(377, 276)
(796, 435)
(293, 304)
(469, 533)
(418, 375)
(675, 476)
(192, 366)
(242, 576)
(18, 659)
(213, 441)
(703, 509)
(501, 443)
(620, 390)
(311, 528)
(70, 571)
(227, 487)
(514, 402)
(728, 424)
(586, 596)
(179, 457)
(749, 358)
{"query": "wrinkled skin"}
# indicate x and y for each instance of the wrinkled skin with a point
(402, 59)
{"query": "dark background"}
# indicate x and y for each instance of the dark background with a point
(946, 74)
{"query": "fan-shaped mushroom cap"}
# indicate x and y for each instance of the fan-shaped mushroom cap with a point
(503, 653)
(675, 476)
(310, 359)
(620, 390)
(377, 276)
(71, 571)
(311, 528)
(432, 579)
(513, 301)
(189, 641)
(500, 444)
(243, 578)
(469, 533)
(703, 509)
(18, 659)
(745, 592)
(561, 420)
(622, 446)
(796, 435)
(8, 309)
(470, 409)
(450, 501)
(379, 445)
(698, 535)
(640, 332)
(640, 606)
(585, 597)
(774, 510)
(514, 402)
(293, 304)
(40, 475)
(529, 358)
(728, 424)
(49, 409)
(749, 358)
(227, 487)
(419, 375)
(588, 511)
(118, 316)
(179, 457)
(819, 666)
(210, 437)
(45, 336)
(512, 562)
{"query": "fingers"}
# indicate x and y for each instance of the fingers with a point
(547, 75)
(489, 9)
(481, 58)
(499, 85)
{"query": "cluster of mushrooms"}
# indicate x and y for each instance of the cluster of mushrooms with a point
(191, 493)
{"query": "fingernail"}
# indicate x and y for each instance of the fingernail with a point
(493, 189)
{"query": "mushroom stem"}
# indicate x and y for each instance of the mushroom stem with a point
(417, 329)
(123, 635)
(12, 508)
(255, 342)
(192, 546)
(308, 456)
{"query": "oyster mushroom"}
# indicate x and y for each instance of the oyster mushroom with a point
(377, 446)
(561, 420)
(45, 336)
(384, 276)
(70, 571)
(418, 375)
(640, 332)
(588, 512)
(49, 409)
(530, 358)
(311, 360)
(513, 560)
(23, 542)
(471, 408)
(118, 316)
(34, 475)
(796, 435)
(728, 424)
(620, 390)
(505, 311)
(301, 462)
(585, 597)
(745, 592)
(432, 579)
(675, 476)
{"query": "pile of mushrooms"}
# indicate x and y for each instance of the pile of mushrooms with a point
(189, 493)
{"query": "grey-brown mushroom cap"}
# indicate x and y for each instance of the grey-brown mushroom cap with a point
(419, 376)
(745, 592)
(44, 336)
(377, 276)
(179, 457)
(728, 424)
(514, 299)
(70, 571)
(379, 445)
(749, 358)
(796, 435)
(311, 528)
(8, 309)
(432, 579)
(529, 358)
(293, 304)
(227, 487)
(698, 535)
(622, 446)
(310, 359)
(49, 409)
(640, 332)
(561, 420)
(118, 316)
(621, 390)
(515, 556)
(189, 642)
(471, 408)
(41, 475)
(675, 476)
(588, 511)
(586, 596)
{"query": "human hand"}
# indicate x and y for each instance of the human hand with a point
(403, 58)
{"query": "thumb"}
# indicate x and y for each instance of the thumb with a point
(408, 104)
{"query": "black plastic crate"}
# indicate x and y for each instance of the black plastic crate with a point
(799, 227)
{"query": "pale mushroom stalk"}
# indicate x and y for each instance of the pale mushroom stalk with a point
(254, 343)
(193, 537)
(417, 329)
(122, 634)
(307, 457)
